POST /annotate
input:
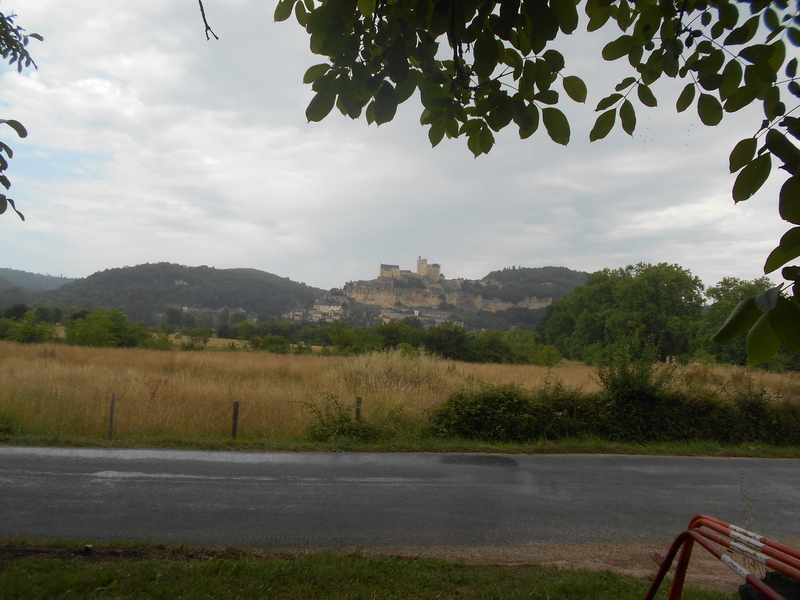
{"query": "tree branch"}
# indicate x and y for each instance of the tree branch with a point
(205, 22)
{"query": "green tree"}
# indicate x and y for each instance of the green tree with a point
(488, 346)
(725, 297)
(481, 65)
(362, 315)
(17, 311)
(394, 333)
(448, 340)
(658, 305)
(106, 328)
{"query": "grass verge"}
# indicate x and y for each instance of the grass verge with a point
(133, 571)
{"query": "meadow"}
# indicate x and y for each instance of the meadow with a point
(64, 392)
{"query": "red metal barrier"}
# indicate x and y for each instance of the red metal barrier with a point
(706, 532)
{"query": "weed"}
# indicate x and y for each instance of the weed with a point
(334, 421)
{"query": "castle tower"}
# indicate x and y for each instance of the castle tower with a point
(422, 267)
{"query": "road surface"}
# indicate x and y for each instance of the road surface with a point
(330, 500)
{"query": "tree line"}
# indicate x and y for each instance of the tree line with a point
(662, 309)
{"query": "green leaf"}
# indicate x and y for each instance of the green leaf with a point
(486, 140)
(752, 177)
(742, 153)
(575, 88)
(646, 96)
(741, 97)
(3, 204)
(743, 317)
(9, 202)
(627, 115)
(627, 82)
(603, 125)
(791, 273)
(567, 14)
(771, 19)
(321, 104)
(788, 249)
(557, 125)
(794, 35)
(768, 299)
(731, 78)
(487, 54)
(608, 101)
(784, 320)
(789, 205)
(619, 47)
(686, 98)
(436, 132)
(762, 343)
(531, 122)
(284, 10)
(709, 109)
(554, 60)
(366, 7)
(385, 104)
(780, 146)
(16, 126)
(315, 72)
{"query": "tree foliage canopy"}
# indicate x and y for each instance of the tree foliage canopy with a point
(651, 305)
(481, 65)
(13, 48)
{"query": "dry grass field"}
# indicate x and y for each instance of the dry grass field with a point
(65, 391)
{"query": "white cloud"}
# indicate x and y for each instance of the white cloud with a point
(150, 144)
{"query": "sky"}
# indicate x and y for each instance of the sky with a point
(147, 143)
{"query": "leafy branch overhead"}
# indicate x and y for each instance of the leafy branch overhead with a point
(13, 48)
(481, 65)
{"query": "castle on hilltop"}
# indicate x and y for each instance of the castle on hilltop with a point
(430, 272)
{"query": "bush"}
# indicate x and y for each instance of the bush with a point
(333, 420)
(502, 413)
(9, 424)
(641, 405)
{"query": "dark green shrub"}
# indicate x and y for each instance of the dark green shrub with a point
(641, 406)
(562, 412)
(333, 420)
(502, 413)
(9, 424)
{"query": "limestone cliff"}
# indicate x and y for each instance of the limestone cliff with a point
(388, 293)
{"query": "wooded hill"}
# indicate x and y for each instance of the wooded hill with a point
(30, 281)
(517, 283)
(145, 289)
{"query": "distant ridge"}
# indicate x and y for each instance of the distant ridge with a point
(149, 288)
(31, 281)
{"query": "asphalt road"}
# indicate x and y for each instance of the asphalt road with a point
(315, 500)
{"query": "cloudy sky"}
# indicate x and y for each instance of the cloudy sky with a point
(148, 143)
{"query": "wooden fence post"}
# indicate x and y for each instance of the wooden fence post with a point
(111, 419)
(358, 409)
(235, 419)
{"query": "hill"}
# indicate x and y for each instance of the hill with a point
(145, 289)
(30, 281)
(517, 283)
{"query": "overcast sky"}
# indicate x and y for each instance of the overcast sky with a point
(148, 143)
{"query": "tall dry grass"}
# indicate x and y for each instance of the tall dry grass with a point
(65, 391)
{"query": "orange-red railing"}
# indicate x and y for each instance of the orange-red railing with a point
(719, 537)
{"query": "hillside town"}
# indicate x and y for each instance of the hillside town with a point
(425, 294)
